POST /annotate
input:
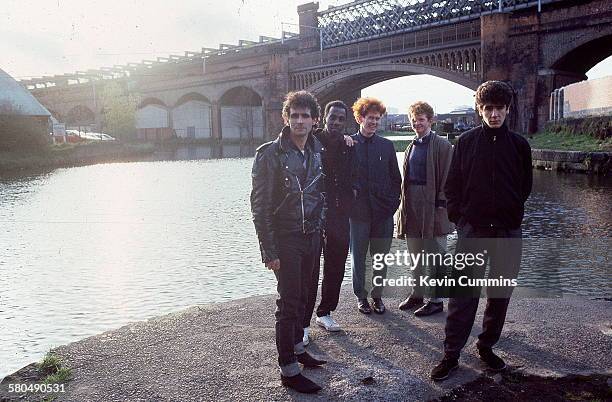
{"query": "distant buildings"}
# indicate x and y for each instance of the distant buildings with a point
(459, 119)
(462, 118)
(582, 99)
(24, 122)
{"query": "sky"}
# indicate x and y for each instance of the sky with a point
(47, 37)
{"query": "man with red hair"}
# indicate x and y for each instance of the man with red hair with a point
(377, 196)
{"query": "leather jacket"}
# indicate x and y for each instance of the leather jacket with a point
(287, 195)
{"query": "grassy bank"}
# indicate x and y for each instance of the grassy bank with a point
(42, 381)
(396, 133)
(63, 155)
(565, 141)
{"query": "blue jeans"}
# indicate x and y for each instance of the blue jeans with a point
(377, 237)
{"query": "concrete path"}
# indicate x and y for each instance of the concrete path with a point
(226, 352)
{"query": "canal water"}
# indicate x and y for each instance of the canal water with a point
(88, 249)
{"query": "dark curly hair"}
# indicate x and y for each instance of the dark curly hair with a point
(301, 99)
(336, 103)
(494, 93)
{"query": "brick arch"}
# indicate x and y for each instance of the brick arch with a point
(580, 59)
(369, 74)
(192, 96)
(152, 101)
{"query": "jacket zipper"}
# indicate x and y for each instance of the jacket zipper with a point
(302, 202)
(302, 197)
(494, 147)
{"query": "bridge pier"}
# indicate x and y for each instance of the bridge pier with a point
(273, 121)
(215, 111)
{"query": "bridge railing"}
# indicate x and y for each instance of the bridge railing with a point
(369, 19)
(412, 42)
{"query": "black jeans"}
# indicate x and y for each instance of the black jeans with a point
(297, 253)
(503, 252)
(335, 251)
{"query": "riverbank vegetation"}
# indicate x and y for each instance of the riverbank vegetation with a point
(179, 141)
(589, 134)
(53, 369)
(564, 141)
(71, 154)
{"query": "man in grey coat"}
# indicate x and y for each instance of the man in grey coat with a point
(423, 218)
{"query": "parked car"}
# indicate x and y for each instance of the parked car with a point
(83, 136)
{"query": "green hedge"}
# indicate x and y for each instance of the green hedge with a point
(599, 127)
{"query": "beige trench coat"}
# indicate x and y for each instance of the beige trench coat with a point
(434, 220)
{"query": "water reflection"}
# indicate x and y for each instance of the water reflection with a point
(193, 152)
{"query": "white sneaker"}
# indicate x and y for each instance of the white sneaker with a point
(328, 323)
(305, 340)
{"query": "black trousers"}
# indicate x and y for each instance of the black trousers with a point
(297, 254)
(335, 251)
(503, 253)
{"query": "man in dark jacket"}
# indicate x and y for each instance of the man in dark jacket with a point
(377, 190)
(338, 159)
(488, 184)
(288, 207)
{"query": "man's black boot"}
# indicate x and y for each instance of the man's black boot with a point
(494, 362)
(308, 361)
(444, 368)
(378, 306)
(364, 306)
(411, 302)
(429, 309)
(300, 384)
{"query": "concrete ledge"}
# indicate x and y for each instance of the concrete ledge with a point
(590, 162)
(226, 351)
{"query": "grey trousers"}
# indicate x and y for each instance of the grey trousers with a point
(417, 244)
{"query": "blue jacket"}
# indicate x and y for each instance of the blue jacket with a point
(378, 180)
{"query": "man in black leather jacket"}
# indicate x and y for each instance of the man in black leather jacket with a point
(288, 207)
(487, 186)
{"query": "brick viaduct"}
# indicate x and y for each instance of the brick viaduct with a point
(536, 47)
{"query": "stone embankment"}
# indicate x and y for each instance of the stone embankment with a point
(576, 161)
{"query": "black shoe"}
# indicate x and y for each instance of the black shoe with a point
(308, 361)
(494, 362)
(429, 308)
(378, 306)
(444, 368)
(300, 384)
(411, 302)
(364, 306)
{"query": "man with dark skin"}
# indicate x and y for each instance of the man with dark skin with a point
(338, 157)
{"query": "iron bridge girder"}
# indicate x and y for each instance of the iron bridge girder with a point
(368, 19)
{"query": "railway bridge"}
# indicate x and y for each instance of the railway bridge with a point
(236, 91)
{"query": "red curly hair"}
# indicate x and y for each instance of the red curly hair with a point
(365, 105)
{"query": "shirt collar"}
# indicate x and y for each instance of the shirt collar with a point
(423, 140)
(365, 140)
